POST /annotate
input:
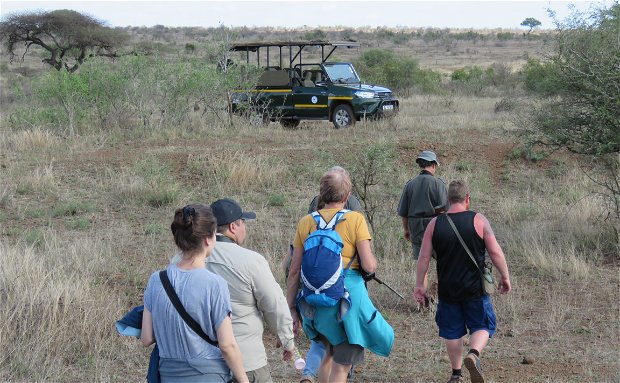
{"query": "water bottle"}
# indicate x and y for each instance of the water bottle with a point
(300, 363)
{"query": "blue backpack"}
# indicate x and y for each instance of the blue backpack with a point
(322, 273)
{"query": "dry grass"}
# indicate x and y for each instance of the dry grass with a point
(34, 139)
(80, 282)
(57, 310)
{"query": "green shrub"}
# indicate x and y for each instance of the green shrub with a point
(478, 80)
(527, 152)
(401, 74)
(539, 77)
(277, 200)
(161, 197)
(503, 36)
(469, 36)
(468, 74)
(316, 34)
(190, 48)
(463, 166)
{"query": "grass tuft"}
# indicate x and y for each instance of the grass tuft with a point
(72, 208)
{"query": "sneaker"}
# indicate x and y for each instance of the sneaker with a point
(307, 379)
(456, 379)
(472, 363)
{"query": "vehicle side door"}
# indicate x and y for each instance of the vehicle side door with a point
(273, 93)
(310, 100)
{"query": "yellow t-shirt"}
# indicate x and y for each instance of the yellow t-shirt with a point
(351, 228)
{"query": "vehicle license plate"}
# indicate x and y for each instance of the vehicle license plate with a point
(388, 107)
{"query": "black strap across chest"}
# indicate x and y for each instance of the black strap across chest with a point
(176, 302)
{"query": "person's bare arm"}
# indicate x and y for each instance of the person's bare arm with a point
(293, 285)
(368, 262)
(406, 228)
(147, 335)
(424, 260)
(230, 350)
(495, 252)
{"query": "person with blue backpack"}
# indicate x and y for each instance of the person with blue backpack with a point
(316, 352)
(330, 250)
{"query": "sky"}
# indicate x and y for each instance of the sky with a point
(317, 13)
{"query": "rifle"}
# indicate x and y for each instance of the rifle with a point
(371, 276)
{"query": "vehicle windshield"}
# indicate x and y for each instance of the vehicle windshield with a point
(342, 73)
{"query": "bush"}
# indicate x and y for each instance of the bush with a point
(584, 114)
(538, 77)
(479, 81)
(315, 35)
(136, 92)
(503, 36)
(401, 74)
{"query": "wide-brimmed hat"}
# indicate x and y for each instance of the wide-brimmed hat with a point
(227, 210)
(427, 155)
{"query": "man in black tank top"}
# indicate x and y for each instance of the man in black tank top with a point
(463, 306)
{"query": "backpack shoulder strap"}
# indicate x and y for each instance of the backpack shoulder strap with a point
(318, 219)
(176, 302)
(336, 218)
(322, 224)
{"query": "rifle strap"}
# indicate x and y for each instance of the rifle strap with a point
(176, 302)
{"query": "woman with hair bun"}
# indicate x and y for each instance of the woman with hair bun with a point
(184, 355)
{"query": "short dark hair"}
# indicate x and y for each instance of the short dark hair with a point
(191, 225)
(224, 228)
(457, 191)
(424, 163)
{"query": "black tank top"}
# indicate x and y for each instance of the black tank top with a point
(458, 278)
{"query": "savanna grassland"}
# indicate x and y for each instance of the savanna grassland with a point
(87, 193)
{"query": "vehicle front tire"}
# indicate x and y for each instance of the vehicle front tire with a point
(343, 116)
(289, 123)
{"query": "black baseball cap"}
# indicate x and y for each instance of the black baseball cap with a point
(227, 210)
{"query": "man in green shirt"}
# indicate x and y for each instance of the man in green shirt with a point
(424, 197)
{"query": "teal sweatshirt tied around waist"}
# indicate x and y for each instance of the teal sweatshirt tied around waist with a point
(355, 320)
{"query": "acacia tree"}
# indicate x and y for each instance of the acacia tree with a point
(582, 113)
(531, 23)
(69, 36)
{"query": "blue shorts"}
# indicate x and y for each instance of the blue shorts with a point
(454, 319)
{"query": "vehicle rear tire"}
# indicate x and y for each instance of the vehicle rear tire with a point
(290, 123)
(343, 116)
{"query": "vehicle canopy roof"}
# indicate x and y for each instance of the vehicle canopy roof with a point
(300, 45)
(252, 47)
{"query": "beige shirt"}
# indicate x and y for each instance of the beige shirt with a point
(254, 295)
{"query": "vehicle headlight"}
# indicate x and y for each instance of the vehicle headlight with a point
(363, 94)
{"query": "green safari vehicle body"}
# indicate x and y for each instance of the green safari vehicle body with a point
(311, 91)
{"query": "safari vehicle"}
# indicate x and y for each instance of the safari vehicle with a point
(301, 90)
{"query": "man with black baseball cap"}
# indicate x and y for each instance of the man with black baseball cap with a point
(231, 219)
(254, 293)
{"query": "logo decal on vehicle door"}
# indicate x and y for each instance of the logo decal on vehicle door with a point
(314, 99)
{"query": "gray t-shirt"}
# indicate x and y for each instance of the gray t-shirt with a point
(205, 297)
